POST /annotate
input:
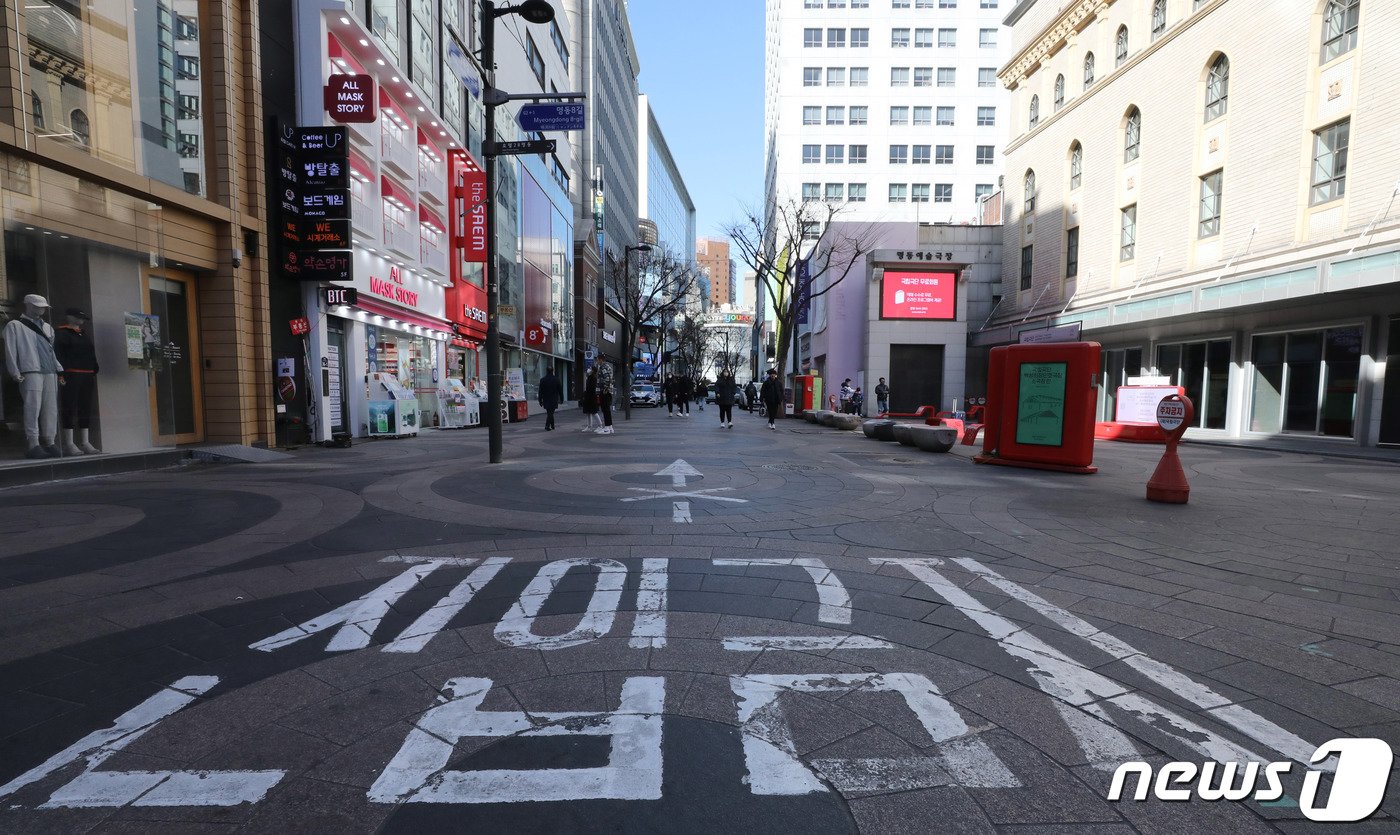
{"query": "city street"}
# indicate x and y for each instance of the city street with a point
(685, 628)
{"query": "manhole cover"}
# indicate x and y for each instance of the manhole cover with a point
(791, 468)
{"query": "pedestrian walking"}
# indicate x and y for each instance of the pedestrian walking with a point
(882, 396)
(772, 396)
(702, 392)
(551, 394)
(605, 397)
(668, 391)
(589, 402)
(750, 395)
(726, 391)
(685, 392)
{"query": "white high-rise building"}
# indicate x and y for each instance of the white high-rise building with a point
(891, 106)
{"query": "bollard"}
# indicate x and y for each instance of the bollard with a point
(1168, 482)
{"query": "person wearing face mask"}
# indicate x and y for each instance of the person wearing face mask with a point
(78, 356)
(30, 361)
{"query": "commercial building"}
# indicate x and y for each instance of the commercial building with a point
(1210, 193)
(712, 255)
(131, 189)
(662, 197)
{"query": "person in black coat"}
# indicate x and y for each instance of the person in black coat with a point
(685, 392)
(750, 395)
(772, 395)
(551, 394)
(726, 392)
(668, 391)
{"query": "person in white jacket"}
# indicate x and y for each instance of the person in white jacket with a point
(31, 362)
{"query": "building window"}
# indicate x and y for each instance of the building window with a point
(1028, 186)
(1132, 135)
(947, 77)
(1218, 88)
(1072, 252)
(811, 154)
(860, 38)
(559, 46)
(186, 28)
(855, 192)
(860, 76)
(187, 67)
(899, 76)
(899, 4)
(189, 106)
(1088, 70)
(1035, 111)
(1210, 205)
(835, 192)
(191, 182)
(986, 77)
(899, 115)
(811, 76)
(811, 115)
(918, 193)
(921, 154)
(899, 38)
(982, 190)
(899, 193)
(1339, 23)
(36, 110)
(836, 115)
(1305, 381)
(857, 154)
(947, 4)
(1159, 18)
(943, 155)
(986, 116)
(1120, 46)
(535, 59)
(836, 76)
(836, 38)
(899, 154)
(945, 115)
(1329, 169)
(1127, 239)
(989, 4)
(835, 154)
(923, 76)
(860, 4)
(947, 38)
(986, 154)
(987, 38)
(923, 39)
(78, 123)
(923, 116)
(812, 4)
(188, 145)
(1059, 92)
(1027, 260)
(811, 191)
(859, 114)
(1076, 166)
(811, 38)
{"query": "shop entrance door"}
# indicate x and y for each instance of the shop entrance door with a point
(916, 377)
(176, 406)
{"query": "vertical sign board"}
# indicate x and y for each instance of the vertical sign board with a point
(314, 204)
(1041, 404)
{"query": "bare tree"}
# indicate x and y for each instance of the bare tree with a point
(800, 250)
(647, 288)
(727, 346)
(691, 346)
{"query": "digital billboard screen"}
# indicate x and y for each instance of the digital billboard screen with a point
(919, 295)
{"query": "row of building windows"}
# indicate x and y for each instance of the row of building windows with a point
(899, 154)
(900, 38)
(899, 76)
(898, 192)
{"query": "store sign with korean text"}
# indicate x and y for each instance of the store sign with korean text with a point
(313, 224)
(350, 98)
(317, 265)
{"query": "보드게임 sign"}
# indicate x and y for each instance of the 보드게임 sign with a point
(919, 295)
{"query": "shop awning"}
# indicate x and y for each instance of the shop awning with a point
(361, 167)
(408, 317)
(427, 143)
(394, 191)
(341, 57)
(430, 218)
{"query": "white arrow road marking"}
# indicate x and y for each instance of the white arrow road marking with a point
(680, 511)
(431, 622)
(678, 470)
(770, 754)
(418, 774)
(798, 643)
(835, 601)
(649, 628)
(694, 494)
(516, 627)
(145, 788)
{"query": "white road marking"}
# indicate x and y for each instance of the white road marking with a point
(678, 470)
(516, 627)
(835, 601)
(800, 644)
(691, 494)
(144, 788)
(1246, 721)
(680, 511)
(431, 622)
(412, 560)
(357, 619)
(775, 769)
(418, 774)
(649, 627)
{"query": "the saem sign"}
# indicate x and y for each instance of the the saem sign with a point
(472, 202)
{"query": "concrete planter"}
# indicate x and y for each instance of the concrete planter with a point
(934, 438)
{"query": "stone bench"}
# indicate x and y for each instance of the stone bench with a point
(880, 429)
(933, 438)
(903, 433)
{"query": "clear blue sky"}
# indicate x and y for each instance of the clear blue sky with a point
(702, 67)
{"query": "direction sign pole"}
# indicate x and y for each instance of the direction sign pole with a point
(494, 379)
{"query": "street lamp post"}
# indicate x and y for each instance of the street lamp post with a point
(534, 11)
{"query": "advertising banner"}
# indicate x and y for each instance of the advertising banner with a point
(1041, 410)
(919, 295)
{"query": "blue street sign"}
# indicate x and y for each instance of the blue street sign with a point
(552, 117)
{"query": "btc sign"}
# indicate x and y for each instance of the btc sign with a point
(334, 296)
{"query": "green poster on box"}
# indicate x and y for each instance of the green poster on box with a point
(1040, 413)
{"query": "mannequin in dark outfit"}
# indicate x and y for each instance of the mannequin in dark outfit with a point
(73, 346)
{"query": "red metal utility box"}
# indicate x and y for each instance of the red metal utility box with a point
(1040, 406)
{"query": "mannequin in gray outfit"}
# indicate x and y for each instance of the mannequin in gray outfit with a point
(31, 362)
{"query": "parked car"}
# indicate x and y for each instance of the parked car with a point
(644, 394)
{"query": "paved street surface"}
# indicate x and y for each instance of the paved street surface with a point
(687, 629)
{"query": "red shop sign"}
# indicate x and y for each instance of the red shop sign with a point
(471, 201)
(300, 326)
(350, 98)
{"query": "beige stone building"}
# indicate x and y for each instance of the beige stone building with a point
(1210, 188)
(131, 189)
